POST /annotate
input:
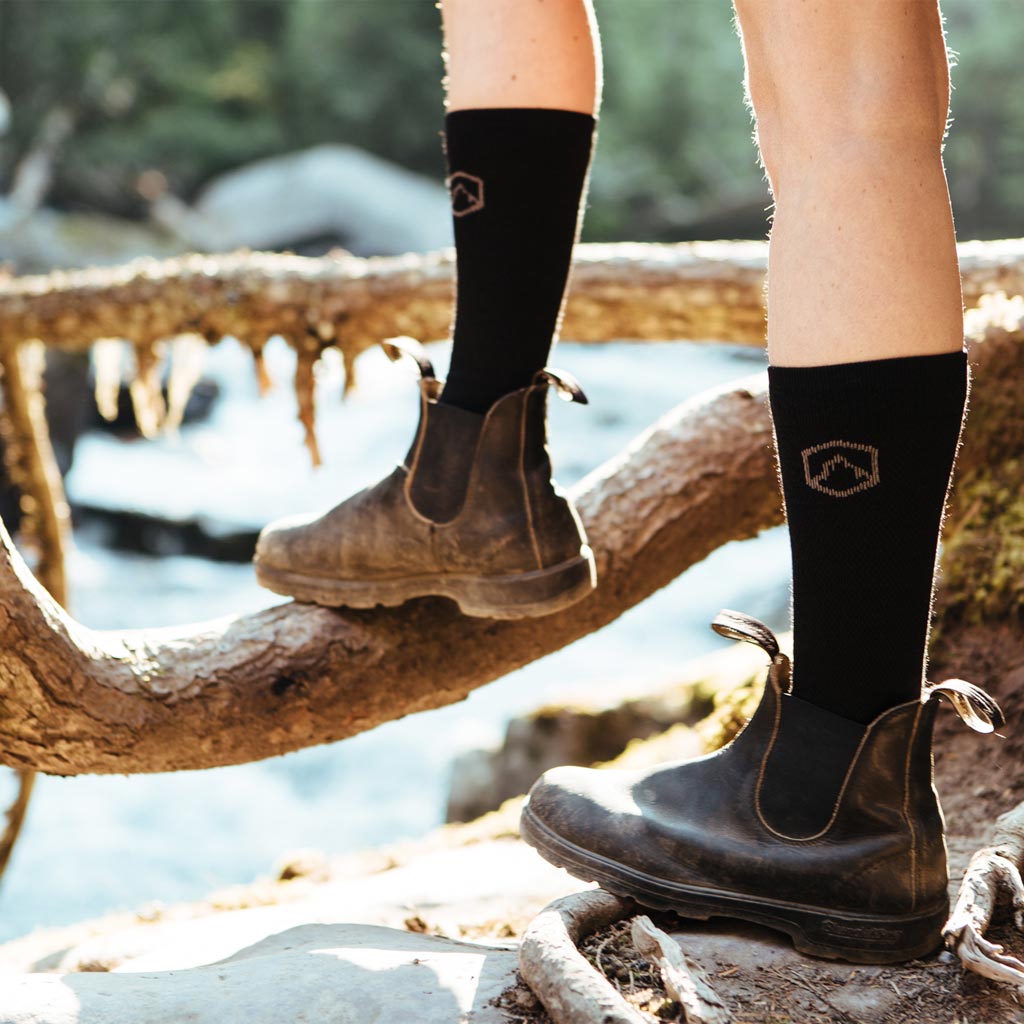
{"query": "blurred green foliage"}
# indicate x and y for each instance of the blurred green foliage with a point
(191, 88)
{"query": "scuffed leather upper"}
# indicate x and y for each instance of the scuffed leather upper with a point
(698, 823)
(478, 499)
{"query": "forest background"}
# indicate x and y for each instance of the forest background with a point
(192, 88)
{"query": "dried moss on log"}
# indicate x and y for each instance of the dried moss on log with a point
(700, 290)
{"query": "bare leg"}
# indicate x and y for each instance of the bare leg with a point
(865, 329)
(851, 102)
(522, 53)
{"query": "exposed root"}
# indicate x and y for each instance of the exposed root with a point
(16, 816)
(264, 381)
(188, 357)
(992, 871)
(684, 979)
(46, 518)
(570, 989)
(145, 390)
(305, 394)
(31, 464)
(108, 371)
(578, 989)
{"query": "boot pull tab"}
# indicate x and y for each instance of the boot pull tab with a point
(737, 626)
(971, 703)
(565, 384)
(395, 348)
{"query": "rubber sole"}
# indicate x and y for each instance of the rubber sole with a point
(514, 596)
(817, 931)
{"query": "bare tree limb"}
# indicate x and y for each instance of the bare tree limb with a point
(45, 520)
(685, 980)
(15, 816)
(74, 700)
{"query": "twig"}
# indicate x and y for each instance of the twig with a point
(685, 980)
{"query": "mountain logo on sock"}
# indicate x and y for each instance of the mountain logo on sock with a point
(467, 192)
(840, 468)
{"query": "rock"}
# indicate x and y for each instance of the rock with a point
(327, 973)
(368, 204)
(552, 736)
(280, 954)
(483, 780)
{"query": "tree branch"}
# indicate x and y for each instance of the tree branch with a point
(45, 521)
(73, 700)
(570, 989)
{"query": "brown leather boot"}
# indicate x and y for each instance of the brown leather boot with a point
(860, 875)
(471, 514)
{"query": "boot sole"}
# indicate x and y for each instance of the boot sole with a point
(513, 596)
(816, 931)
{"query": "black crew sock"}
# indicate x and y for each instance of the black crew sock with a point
(865, 454)
(516, 179)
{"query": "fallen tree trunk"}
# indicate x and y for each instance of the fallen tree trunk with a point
(74, 700)
(696, 290)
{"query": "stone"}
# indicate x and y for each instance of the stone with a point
(323, 973)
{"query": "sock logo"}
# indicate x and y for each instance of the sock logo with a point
(840, 468)
(467, 192)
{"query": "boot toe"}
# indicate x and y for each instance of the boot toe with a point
(282, 544)
(583, 806)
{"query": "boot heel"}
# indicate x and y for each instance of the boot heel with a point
(526, 594)
(865, 940)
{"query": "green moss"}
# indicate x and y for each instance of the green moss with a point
(983, 557)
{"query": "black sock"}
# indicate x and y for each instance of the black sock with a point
(865, 454)
(516, 178)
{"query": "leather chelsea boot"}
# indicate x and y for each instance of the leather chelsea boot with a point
(471, 514)
(808, 823)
